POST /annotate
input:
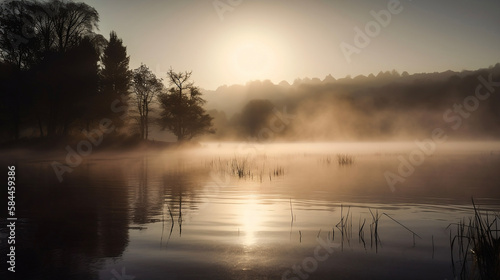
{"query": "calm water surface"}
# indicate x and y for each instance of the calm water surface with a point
(240, 211)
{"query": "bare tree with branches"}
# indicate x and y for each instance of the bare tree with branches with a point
(145, 86)
(182, 111)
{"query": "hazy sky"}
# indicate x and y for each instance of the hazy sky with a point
(244, 40)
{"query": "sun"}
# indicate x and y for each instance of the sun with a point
(252, 60)
(252, 56)
(243, 54)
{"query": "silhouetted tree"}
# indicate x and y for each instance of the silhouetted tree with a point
(62, 24)
(182, 111)
(11, 99)
(254, 116)
(145, 87)
(15, 46)
(67, 88)
(53, 47)
(69, 58)
(16, 54)
(30, 29)
(115, 75)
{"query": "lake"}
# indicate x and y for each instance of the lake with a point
(250, 211)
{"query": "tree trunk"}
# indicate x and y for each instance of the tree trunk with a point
(142, 127)
(40, 126)
(146, 127)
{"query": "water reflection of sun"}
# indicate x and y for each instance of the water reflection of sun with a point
(250, 220)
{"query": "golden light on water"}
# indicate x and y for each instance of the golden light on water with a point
(250, 220)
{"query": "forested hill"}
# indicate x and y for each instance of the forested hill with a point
(387, 106)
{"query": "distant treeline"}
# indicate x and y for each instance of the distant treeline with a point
(388, 106)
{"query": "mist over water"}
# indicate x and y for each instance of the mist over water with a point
(387, 107)
(191, 213)
(250, 140)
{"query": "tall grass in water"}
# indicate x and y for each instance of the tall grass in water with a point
(247, 168)
(342, 159)
(240, 167)
(346, 229)
(374, 237)
(476, 247)
(237, 166)
(344, 226)
(345, 159)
